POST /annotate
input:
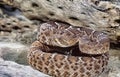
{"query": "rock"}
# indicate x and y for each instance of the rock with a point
(1, 13)
(14, 52)
(101, 15)
(12, 69)
(12, 29)
(10, 24)
(114, 65)
(16, 27)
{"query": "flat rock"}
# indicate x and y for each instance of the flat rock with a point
(114, 67)
(12, 69)
(14, 52)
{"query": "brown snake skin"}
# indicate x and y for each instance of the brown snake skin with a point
(68, 51)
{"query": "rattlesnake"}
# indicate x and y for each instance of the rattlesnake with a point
(62, 50)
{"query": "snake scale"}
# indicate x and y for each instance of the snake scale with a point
(63, 50)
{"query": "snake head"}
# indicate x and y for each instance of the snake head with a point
(57, 34)
(95, 43)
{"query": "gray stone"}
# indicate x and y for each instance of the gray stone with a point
(12, 69)
(114, 65)
(14, 52)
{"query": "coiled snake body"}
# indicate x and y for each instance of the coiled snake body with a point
(67, 51)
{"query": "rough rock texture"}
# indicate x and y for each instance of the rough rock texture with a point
(97, 14)
(12, 29)
(12, 69)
